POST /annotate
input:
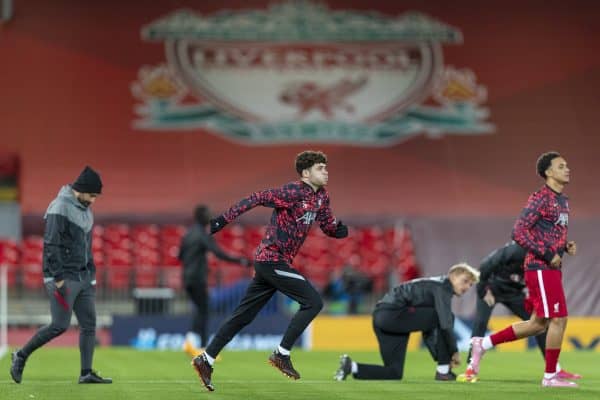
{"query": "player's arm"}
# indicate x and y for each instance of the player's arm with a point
(282, 197)
(522, 230)
(492, 264)
(328, 223)
(211, 245)
(486, 269)
(91, 264)
(443, 308)
(55, 230)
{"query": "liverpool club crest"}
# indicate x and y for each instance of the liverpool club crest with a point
(300, 72)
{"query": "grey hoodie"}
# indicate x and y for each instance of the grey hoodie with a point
(68, 239)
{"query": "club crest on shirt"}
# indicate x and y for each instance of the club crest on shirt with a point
(563, 219)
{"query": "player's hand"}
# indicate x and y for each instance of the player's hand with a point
(455, 361)
(571, 248)
(556, 260)
(489, 298)
(216, 224)
(63, 291)
(341, 230)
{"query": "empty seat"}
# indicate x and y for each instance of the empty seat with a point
(171, 277)
(9, 258)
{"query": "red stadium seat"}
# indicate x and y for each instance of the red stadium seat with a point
(146, 276)
(169, 255)
(117, 236)
(9, 258)
(98, 254)
(146, 261)
(344, 251)
(97, 234)
(33, 277)
(371, 238)
(145, 236)
(118, 277)
(32, 249)
(406, 265)
(390, 239)
(170, 240)
(232, 240)
(172, 233)
(116, 257)
(252, 236)
(171, 277)
(118, 266)
(146, 256)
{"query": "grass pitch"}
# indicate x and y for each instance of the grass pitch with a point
(51, 373)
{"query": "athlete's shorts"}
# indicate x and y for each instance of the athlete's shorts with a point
(546, 292)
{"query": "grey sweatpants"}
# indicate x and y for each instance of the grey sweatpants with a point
(81, 299)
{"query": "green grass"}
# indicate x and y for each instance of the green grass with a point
(51, 373)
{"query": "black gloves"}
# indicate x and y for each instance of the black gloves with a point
(216, 224)
(341, 230)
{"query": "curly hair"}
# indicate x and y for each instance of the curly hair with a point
(544, 161)
(308, 158)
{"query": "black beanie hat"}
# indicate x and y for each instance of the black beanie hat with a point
(88, 182)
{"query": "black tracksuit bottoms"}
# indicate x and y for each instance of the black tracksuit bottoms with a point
(198, 294)
(270, 277)
(81, 300)
(392, 328)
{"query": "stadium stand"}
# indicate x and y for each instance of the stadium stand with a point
(145, 256)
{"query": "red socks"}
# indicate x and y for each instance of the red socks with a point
(508, 335)
(503, 336)
(551, 360)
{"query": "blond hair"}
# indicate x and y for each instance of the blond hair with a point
(465, 268)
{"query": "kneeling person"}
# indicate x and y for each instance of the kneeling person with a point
(424, 305)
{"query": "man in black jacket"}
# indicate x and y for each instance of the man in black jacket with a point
(192, 254)
(69, 273)
(501, 280)
(424, 305)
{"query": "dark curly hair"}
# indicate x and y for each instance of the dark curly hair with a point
(308, 158)
(544, 161)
